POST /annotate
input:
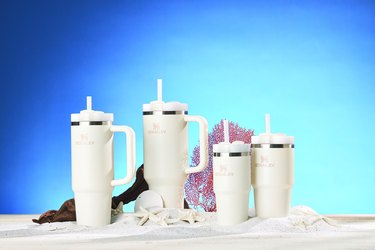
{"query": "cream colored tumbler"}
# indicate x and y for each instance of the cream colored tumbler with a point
(231, 165)
(272, 167)
(165, 148)
(92, 164)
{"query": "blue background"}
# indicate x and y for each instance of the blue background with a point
(311, 64)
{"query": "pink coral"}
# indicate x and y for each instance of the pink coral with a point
(199, 186)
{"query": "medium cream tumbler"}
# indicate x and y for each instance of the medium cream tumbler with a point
(272, 167)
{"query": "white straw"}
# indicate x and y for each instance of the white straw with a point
(226, 131)
(160, 90)
(268, 123)
(89, 103)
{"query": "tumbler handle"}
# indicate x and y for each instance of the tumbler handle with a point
(130, 154)
(203, 143)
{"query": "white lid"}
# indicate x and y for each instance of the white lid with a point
(165, 106)
(227, 147)
(89, 115)
(159, 105)
(265, 138)
(269, 138)
(234, 147)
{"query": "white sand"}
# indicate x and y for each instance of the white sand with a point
(303, 229)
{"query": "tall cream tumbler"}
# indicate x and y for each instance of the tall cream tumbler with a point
(165, 148)
(92, 164)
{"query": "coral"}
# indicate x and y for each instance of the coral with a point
(199, 186)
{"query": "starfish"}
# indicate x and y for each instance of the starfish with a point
(152, 215)
(118, 210)
(307, 217)
(190, 216)
(163, 217)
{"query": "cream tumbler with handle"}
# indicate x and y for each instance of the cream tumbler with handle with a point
(231, 165)
(92, 164)
(165, 148)
(272, 163)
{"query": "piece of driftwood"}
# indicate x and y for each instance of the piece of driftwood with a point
(67, 211)
(140, 185)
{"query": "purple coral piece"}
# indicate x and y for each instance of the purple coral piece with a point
(199, 186)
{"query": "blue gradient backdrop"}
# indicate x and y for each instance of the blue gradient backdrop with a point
(311, 64)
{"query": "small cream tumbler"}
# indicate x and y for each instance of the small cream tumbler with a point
(231, 165)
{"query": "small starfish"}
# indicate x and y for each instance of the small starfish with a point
(190, 216)
(152, 215)
(118, 210)
(308, 217)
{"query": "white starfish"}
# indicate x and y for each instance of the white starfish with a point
(163, 216)
(306, 217)
(190, 216)
(152, 215)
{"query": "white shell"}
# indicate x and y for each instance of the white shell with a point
(148, 199)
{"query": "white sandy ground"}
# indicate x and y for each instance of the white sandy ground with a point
(303, 229)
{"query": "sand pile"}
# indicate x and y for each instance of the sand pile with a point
(302, 219)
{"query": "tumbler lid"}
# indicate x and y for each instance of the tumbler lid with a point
(227, 147)
(278, 138)
(271, 138)
(159, 105)
(234, 147)
(88, 115)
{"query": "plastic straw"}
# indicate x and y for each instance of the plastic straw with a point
(160, 90)
(268, 123)
(89, 103)
(226, 131)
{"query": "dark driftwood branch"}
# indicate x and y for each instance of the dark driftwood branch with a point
(140, 185)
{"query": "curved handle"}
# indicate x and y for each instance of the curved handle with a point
(130, 154)
(203, 143)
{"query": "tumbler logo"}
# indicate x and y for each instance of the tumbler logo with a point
(84, 140)
(156, 126)
(156, 129)
(223, 170)
(264, 162)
